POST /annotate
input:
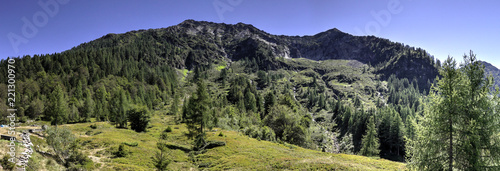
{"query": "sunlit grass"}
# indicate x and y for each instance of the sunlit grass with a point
(240, 152)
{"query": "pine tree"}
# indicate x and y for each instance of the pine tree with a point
(101, 108)
(250, 101)
(198, 110)
(370, 142)
(478, 141)
(118, 108)
(139, 118)
(460, 126)
(58, 107)
(174, 108)
(88, 106)
(269, 101)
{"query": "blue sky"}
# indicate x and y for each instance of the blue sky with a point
(441, 27)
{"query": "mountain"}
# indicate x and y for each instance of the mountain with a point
(193, 43)
(317, 92)
(494, 71)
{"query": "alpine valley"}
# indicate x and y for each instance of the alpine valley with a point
(212, 96)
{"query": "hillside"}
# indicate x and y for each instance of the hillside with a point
(240, 153)
(311, 92)
(193, 43)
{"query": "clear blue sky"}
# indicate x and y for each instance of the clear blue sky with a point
(442, 28)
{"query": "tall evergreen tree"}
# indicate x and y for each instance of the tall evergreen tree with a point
(460, 126)
(174, 108)
(101, 108)
(250, 101)
(139, 118)
(88, 106)
(370, 142)
(198, 109)
(57, 111)
(118, 108)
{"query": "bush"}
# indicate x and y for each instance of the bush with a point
(268, 134)
(23, 119)
(253, 131)
(121, 151)
(163, 136)
(6, 164)
(89, 133)
(220, 134)
(200, 142)
(168, 129)
(132, 144)
(79, 161)
(139, 118)
(93, 126)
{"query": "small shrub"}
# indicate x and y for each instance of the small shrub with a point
(220, 134)
(93, 126)
(23, 119)
(200, 142)
(132, 144)
(49, 162)
(6, 164)
(97, 133)
(89, 133)
(168, 129)
(79, 161)
(121, 151)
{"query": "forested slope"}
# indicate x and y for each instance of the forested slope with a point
(316, 92)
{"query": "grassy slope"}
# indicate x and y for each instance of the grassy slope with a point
(240, 153)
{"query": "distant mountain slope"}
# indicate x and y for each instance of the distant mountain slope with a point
(193, 43)
(494, 71)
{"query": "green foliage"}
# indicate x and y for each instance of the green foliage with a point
(88, 106)
(101, 109)
(370, 146)
(131, 144)
(60, 140)
(197, 111)
(118, 108)
(286, 124)
(160, 159)
(121, 152)
(6, 164)
(99, 79)
(79, 161)
(139, 118)
(58, 107)
(168, 129)
(200, 142)
(174, 108)
(460, 126)
(346, 145)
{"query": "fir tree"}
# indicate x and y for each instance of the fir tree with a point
(198, 110)
(88, 107)
(58, 107)
(370, 142)
(460, 125)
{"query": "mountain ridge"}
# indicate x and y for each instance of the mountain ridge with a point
(208, 42)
